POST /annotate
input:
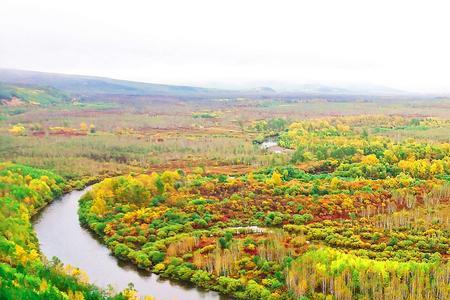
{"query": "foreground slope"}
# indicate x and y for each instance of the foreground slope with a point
(24, 273)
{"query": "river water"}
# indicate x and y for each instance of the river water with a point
(60, 234)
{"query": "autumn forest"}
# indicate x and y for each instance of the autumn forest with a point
(224, 196)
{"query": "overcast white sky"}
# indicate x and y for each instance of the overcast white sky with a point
(402, 44)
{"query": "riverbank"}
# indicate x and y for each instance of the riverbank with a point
(61, 235)
(25, 274)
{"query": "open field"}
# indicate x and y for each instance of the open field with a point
(160, 134)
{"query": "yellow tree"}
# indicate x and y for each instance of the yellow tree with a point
(92, 128)
(369, 160)
(99, 206)
(276, 178)
(83, 126)
(17, 129)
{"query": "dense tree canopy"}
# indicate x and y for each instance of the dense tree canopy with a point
(268, 234)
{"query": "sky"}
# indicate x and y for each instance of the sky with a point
(230, 44)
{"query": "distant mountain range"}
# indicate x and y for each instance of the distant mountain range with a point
(80, 85)
(366, 89)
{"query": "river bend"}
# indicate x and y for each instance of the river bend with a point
(60, 234)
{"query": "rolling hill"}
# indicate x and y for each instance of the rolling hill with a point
(14, 95)
(92, 86)
(88, 85)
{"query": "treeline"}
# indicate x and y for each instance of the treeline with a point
(352, 152)
(327, 272)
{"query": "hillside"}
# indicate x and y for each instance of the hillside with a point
(14, 95)
(88, 85)
(80, 85)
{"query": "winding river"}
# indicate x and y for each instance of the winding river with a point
(61, 235)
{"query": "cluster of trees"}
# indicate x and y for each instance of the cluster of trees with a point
(17, 129)
(205, 115)
(21, 130)
(365, 238)
(355, 153)
(181, 226)
(24, 275)
(271, 125)
(379, 203)
(23, 190)
(327, 272)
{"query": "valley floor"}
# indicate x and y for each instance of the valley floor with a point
(353, 206)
